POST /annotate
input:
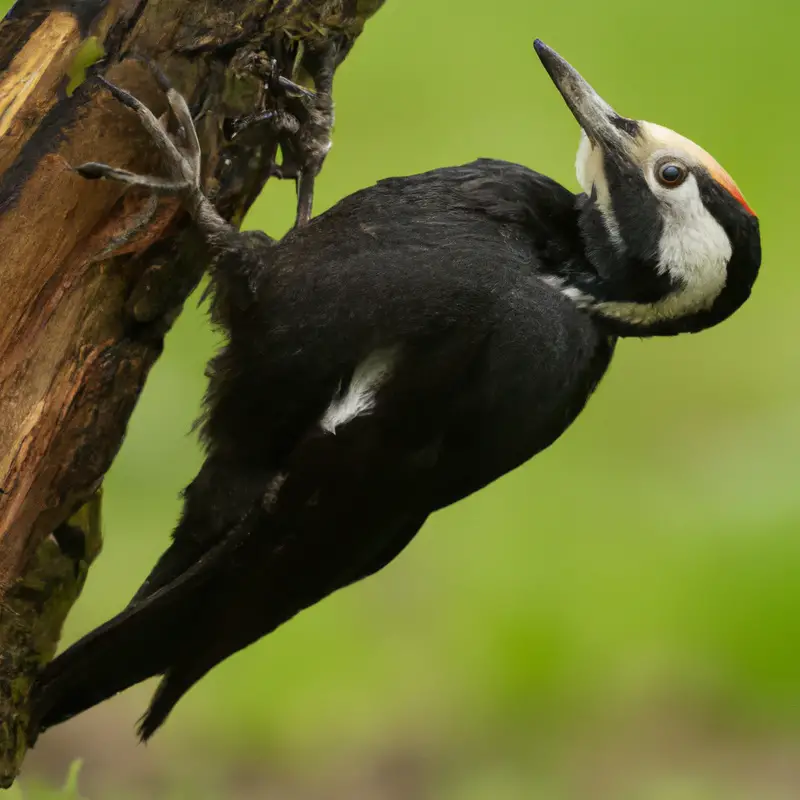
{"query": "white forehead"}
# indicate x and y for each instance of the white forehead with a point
(657, 137)
(654, 140)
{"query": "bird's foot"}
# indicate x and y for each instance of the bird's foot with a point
(183, 165)
(301, 120)
(182, 161)
(306, 152)
(281, 90)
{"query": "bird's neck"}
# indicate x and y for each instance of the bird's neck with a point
(629, 293)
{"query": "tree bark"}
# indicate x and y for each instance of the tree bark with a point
(79, 335)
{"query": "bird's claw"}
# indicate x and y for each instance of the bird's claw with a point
(301, 120)
(183, 164)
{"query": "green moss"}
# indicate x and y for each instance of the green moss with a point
(19, 688)
(30, 627)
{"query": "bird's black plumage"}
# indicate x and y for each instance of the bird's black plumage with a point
(491, 365)
(404, 349)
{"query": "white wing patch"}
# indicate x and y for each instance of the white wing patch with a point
(359, 398)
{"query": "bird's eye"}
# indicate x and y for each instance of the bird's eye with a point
(671, 174)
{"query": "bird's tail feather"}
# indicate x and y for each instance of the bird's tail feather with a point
(144, 640)
(119, 654)
(174, 684)
(138, 643)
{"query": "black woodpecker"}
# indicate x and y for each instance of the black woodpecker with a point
(403, 349)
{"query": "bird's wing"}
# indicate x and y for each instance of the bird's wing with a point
(409, 432)
(384, 418)
(338, 514)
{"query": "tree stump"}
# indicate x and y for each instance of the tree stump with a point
(78, 333)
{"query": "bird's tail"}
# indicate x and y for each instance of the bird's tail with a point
(138, 643)
(158, 633)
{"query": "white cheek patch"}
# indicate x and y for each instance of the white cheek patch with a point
(368, 377)
(694, 247)
(694, 250)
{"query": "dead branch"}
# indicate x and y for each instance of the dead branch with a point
(79, 335)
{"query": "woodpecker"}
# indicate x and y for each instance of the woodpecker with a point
(393, 355)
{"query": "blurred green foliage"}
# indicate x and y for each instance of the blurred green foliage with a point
(69, 791)
(624, 607)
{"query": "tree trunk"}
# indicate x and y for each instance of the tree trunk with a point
(78, 334)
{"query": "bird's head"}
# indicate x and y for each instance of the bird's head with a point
(672, 243)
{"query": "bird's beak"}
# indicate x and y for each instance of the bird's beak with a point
(599, 121)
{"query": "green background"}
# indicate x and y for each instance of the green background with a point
(620, 618)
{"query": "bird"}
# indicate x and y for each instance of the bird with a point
(391, 356)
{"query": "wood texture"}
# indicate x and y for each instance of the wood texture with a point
(78, 335)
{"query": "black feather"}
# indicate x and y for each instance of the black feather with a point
(489, 365)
